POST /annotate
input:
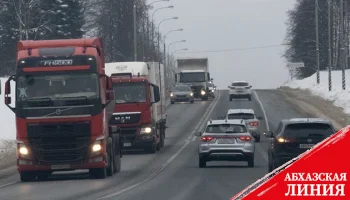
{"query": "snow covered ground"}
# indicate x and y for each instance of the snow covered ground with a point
(7, 117)
(340, 97)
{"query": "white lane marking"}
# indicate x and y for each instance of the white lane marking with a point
(149, 177)
(157, 171)
(263, 110)
(205, 118)
(260, 149)
(7, 184)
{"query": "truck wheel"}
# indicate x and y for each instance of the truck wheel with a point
(110, 168)
(27, 176)
(152, 149)
(42, 176)
(158, 145)
(98, 173)
(117, 164)
(162, 137)
(192, 101)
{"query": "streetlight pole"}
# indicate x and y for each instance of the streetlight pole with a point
(329, 47)
(135, 32)
(317, 43)
(174, 43)
(160, 23)
(342, 48)
(167, 7)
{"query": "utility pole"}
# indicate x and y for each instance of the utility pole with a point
(317, 43)
(342, 41)
(329, 47)
(148, 39)
(135, 32)
(347, 35)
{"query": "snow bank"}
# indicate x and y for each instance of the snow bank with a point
(340, 97)
(7, 117)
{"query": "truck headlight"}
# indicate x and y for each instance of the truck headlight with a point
(146, 130)
(171, 94)
(96, 147)
(23, 150)
(202, 92)
(191, 93)
(212, 90)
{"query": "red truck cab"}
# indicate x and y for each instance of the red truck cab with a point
(138, 105)
(62, 107)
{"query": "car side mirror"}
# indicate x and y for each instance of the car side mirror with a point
(198, 134)
(269, 134)
(260, 118)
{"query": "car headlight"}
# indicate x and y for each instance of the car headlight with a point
(171, 94)
(203, 92)
(146, 130)
(191, 93)
(212, 90)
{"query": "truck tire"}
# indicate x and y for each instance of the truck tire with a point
(43, 175)
(152, 149)
(117, 164)
(162, 137)
(110, 168)
(27, 176)
(192, 101)
(98, 173)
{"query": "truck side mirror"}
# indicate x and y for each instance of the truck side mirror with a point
(109, 89)
(156, 94)
(7, 98)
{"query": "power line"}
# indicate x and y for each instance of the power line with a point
(240, 49)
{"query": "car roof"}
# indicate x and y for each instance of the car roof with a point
(306, 120)
(234, 111)
(228, 121)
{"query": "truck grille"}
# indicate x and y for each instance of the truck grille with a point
(129, 134)
(60, 143)
(127, 118)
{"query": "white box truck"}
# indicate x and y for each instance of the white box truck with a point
(139, 103)
(194, 71)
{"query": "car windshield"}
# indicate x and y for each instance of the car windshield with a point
(35, 87)
(240, 84)
(226, 128)
(181, 88)
(129, 92)
(241, 116)
(306, 130)
(192, 77)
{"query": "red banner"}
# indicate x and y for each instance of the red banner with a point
(319, 173)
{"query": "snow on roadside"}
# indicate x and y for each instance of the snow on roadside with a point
(7, 117)
(340, 97)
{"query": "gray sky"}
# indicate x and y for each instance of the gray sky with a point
(231, 24)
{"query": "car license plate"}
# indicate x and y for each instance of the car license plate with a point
(226, 141)
(127, 144)
(66, 166)
(306, 146)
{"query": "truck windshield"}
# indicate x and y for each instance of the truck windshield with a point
(129, 92)
(192, 77)
(57, 86)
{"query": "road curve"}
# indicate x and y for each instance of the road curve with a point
(173, 173)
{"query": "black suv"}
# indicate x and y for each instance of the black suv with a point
(295, 136)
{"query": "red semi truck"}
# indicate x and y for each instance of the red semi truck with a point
(62, 108)
(139, 104)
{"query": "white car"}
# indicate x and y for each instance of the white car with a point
(248, 115)
(240, 89)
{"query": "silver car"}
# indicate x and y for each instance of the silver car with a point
(249, 117)
(226, 140)
(181, 93)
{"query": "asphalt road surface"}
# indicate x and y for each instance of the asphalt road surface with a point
(172, 173)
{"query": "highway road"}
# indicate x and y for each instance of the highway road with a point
(172, 173)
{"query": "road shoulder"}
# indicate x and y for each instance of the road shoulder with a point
(314, 106)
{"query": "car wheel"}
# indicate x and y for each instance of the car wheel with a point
(251, 161)
(192, 101)
(202, 162)
(172, 102)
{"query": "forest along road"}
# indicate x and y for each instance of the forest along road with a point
(173, 172)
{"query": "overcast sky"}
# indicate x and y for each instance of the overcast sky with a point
(231, 24)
